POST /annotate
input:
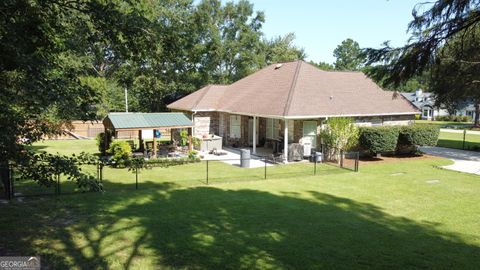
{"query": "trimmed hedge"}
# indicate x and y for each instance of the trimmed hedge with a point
(454, 118)
(403, 140)
(418, 135)
(378, 140)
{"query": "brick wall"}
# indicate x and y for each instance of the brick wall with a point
(213, 123)
(394, 120)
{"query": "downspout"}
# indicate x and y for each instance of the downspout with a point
(193, 121)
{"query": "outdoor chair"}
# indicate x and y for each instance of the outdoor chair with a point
(275, 158)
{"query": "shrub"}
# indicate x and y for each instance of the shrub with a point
(103, 144)
(167, 162)
(184, 137)
(196, 143)
(120, 151)
(455, 118)
(378, 140)
(192, 154)
(340, 132)
(466, 118)
(419, 135)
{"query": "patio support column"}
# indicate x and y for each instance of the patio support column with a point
(254, 135)
(154, 144)
(140, 141)
(285, 141)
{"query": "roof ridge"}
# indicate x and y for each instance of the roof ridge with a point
(292, 88)
(207, 87)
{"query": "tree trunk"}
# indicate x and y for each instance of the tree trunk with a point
(477, 114)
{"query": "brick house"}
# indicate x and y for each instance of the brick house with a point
(290, 101)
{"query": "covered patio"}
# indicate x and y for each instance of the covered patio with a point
(144, 123)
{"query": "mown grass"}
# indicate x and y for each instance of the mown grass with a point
(455, 140)
(446, 124)
(403, 215)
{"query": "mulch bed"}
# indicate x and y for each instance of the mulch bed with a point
(388, 159)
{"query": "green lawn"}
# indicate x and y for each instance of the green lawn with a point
(404, 215)
(67, 147)
(443, 124)
(455, 140)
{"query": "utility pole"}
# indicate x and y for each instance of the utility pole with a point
(126, 99)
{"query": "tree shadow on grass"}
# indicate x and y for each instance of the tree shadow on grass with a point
(211, 228)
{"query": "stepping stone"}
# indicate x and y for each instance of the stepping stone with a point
(433, 181)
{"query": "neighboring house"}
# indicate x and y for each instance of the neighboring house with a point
(287, 103)
(425, 102)
(466, 109)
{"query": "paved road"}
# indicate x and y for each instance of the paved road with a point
(464, 161)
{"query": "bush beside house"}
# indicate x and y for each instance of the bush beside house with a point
(340, 133)
(419, 135)
(378, 140)
(121, 152)
(402, 140)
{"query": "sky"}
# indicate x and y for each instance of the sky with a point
(320, 25)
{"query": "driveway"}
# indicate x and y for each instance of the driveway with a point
(464, 161)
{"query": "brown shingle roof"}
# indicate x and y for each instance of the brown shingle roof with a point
(298, 89)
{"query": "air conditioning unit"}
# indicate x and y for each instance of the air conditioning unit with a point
(307, 146)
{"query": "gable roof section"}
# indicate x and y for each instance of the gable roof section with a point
(298, 90)
(205, 99)
(146, 120)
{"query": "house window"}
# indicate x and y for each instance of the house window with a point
(235, 126)
(427, 113)
(272, 128)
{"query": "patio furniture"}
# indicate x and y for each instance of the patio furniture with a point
(217, 153)
(274, 158)
(210, 142)
(137, 154)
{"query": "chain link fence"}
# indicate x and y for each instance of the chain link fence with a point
(204, 172)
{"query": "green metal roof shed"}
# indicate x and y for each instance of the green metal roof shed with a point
(141, 121)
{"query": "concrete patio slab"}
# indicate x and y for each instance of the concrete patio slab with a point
(232, 157)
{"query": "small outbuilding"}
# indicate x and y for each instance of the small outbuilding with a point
(115, 122)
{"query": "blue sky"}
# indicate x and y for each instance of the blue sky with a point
(321, 25)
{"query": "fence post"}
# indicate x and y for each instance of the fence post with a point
(341, 158)
(136, 178)
(207, 171)
(265, 170)
(9, 189)
(98, 172)
(12, 184)
(357, 161)
(58, 184)
(464, 135)
(101, 172)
